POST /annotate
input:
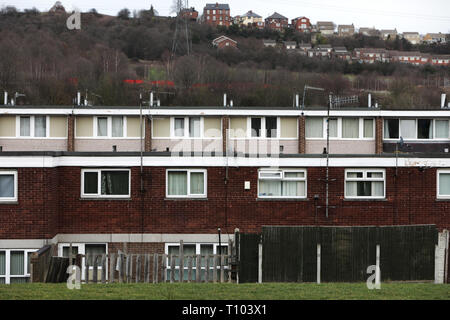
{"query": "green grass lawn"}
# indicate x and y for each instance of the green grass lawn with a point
(216, 291)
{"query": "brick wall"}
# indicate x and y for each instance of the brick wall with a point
(301, 135)
(50, 203)
(71, 133)
(378, 135)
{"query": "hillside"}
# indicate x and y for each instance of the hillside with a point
(42, 59)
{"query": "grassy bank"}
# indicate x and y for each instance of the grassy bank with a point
(212, 291)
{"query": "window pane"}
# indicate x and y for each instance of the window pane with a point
(7, 186)
(271, 127)
(269, 188)
(424, 129)
(292, 175)
(91, 182)
(66, 251)
(194, 127)
(354, 174)
(197, 183)
(442, 129)
(117, 126)
(351, 188)
(2, 262)
(333, 123)
(179, 127)
(24, 126)
(350, 128)
(391, 129)
(115, 182)
(40, 126)
(368, 128)
(270, 175)
(17, 263)
(364, 188)
(374, 175)
(314, 127)
(18, 280)
(102, 126)
(408, 129)
(378, 189)
(256, 127)
(444, 184)
(293, 188)
(177, 183)
(95, 250)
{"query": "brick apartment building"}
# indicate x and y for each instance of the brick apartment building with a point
(217, 14)
(301, 24)
(74, 175)
(276, 22)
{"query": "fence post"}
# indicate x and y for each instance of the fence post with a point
(214, 268)
(164, 267)
(112, 268)
(318, 262)
(181, 262)
(222, 271)
(70, 254)
(86, 268)
(120, 257)
(103, 268)
(230, 253)
(95, 269)
(377, 270)
(260, 251)
(189, 269)
(138, 268)
(197, 267)
(237, 243)
(146, 269)
(172, 268)
(155, 268)
(207, 268)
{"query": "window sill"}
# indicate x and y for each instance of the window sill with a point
(185, 199)
(437, 199)
(9, 202)
(366, 199)
(106, 199)
(282, 199)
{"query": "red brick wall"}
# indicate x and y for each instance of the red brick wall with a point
(49, 203)
(71, 133)
(226, 19)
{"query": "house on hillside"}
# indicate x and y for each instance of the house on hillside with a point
(289, 45)
(269, 43)
(217, 14)
(435, 38)
(326, 28)
(57, 8)
(190, 14)
(301, 24)
(224, 42)
(388, 34)
(342, 53)
(276, 22)
(346, 30)
(369, 32)
(412, 37)
(371, 55)
(250, 19)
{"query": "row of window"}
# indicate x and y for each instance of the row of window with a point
(192, 183)
(104, 127)
(15, 265)
(218, 11)
(416, 129)
(262, 127)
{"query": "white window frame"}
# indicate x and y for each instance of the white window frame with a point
(99, 175)
(109, 129)
(32, 127)
(365, 179)
(433, 122)
(263, 128)
(339, 129)
(438, 195)
(189, 195)
(82, 250)
(283, 178)
(16, 188)
(186, 129)
(7, 276)
(197, 251)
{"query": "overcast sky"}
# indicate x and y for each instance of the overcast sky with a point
(405, 15)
